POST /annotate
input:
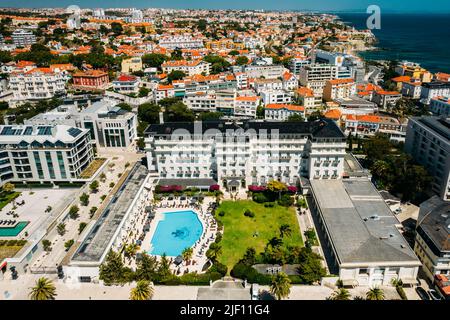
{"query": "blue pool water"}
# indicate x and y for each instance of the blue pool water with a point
(12, 232)
(176, 232)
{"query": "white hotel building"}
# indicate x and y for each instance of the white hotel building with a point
(56, 153)
(247, 152)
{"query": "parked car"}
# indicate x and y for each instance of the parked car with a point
(434, 295)
(422, 293)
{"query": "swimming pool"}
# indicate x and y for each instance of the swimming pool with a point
(12, 232)
(176, 232)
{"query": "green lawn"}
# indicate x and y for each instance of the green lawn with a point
(239, 229)
(6, 198)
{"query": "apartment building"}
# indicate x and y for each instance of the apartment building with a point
(298, 63)
(224, 44)
(339, 89)
(276, 97)
(190, 68)
(32, 153)
(305, 97)
(23, 38)
(164, 91)
(361, 233)
(412, 89)
(180, 42)
(282, 112)
(428, 142)
(432, 244)
(108, 125)
(267, 85)
(126, 84)
(247, 152)
(132, 65)
(245, 106)
(384, 99)
(434, 89)
(37, 83)
(261, 71)
(440, 106)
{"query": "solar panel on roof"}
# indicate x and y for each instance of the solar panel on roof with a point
(74, 132)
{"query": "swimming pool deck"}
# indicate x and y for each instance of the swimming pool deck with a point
(209, 234)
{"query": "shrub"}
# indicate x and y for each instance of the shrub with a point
(221, 213)
(219, 268)
(286, 200)
(269, 205)
(257, 188)
(260, 197)
(401, 292)
(249, 213)
(214, 187)
(69, 244)
(245, 272)
(73, 212)
(292, 189)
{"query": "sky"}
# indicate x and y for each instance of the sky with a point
(315, 5)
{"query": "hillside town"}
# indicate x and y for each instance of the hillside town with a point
(217, 154)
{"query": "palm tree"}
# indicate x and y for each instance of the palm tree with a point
(130, 250)
(187, 254)
(340, 294)
(280, 286)
(142, 291)
(44, 290)
(275, 242)
(285, 230)
(214, 251)
(375, 294)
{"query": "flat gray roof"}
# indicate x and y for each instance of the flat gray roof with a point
(99, 237)
(361, 226)
(200, 182)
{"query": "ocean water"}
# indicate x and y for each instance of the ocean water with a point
(421, 38)
(177, 231)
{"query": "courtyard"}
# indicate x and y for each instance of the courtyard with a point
(241, 232)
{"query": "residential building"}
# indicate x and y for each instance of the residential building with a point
(428, 142)
(384, 99)
(181, 42)
(298, 63)
(305, 97)
(282, 112)
(339, 89)
(245, 106)
(31, 153)
(361, 233)
(224, 44)
(132, 65)
(126, 84)
(434, 89)
(267, 85)
(190, 68)
(356, 106)
(261, 71)
(276, 97)
(90, 80)
(413, 70)
(440, 106)
(247, 152)
(36, 84)
(432, 244)
(412, 89)
(23, 38)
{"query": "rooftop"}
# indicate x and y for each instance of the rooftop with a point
(40, 134)
(361, 226)
(100, 237)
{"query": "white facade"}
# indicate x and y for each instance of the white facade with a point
(43, 153)
(223, 151)
(181, 42)
(190, 68)
(22, 38)
(37, 84)
(276, 97)
(440, 106)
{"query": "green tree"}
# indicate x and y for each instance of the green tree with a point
(277, 187)
(296, 117)
(73, 212)
(340, 294)
(61, 228)
(116, 28)
(124, 106)
(285, 230)
(260, 112)
(47, 245)
(187, 254)
(143, 92)
(84, 199)
(310, 267)
(214, 251)
(242, 60)
(280, 286)
(68, 244)
(178, 112)
(218, 64)
(164, 268)
(5, 56)
(142, 291)
(81, 227)
(92, 211)
(113, 270)
(43, 290)
(208, 116)
(154, 60)
(201, 24)
(149, 113)
(233, 53)
(94, 186)
(147, 268)
(375, 294)
(175, 75)
(131, 250)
